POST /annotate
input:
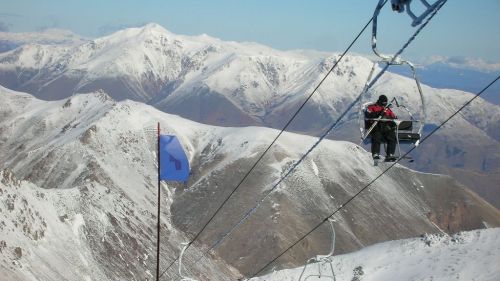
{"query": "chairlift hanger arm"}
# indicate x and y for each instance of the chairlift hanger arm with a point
(401, 5)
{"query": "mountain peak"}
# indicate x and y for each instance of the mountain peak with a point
(154, 27)
(143, 32)
(99, 95)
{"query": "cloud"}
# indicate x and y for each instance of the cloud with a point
(4, 27)
(463, 63)
(10, 15)
(49, 23)
(110, 28)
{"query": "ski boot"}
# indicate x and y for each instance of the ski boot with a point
(390, 158)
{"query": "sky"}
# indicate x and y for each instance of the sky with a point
(463, 28)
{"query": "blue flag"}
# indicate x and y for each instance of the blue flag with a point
(174, 165)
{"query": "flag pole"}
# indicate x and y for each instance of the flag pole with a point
(158, 215)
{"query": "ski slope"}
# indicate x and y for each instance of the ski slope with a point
(467, 256)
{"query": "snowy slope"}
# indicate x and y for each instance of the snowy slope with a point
(40, 239)
(86, 165)
(78, 194)
(472, 255)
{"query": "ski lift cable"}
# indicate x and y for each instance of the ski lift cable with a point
(276, 138)
(371, 182)
(322, 137)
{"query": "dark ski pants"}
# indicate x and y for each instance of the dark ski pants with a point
(388, 136)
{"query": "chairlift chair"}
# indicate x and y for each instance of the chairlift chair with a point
(183, 277)
(408, 130)
(321, 260)
(408, 127)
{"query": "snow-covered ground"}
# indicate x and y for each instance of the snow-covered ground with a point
(473, 255)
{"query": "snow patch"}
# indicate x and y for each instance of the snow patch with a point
(315, 168)
(78, 222)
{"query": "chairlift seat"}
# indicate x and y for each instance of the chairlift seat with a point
(408, 137)
(403, 137)
(406, 133)
(404, 130)
(405, 126)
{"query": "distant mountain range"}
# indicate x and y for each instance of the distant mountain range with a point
(208, 80)
(442, 75)
(11, 40)
(465, 74)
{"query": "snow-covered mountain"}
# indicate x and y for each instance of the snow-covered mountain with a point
(150, 62)
(76, 203)
(465, 256)
(238, 84)
(78, 194)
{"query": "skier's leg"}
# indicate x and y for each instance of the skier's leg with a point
(376, 137)
(390, 138)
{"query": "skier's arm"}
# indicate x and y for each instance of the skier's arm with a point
(388, 113)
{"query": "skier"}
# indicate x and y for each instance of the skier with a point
(384, 130)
